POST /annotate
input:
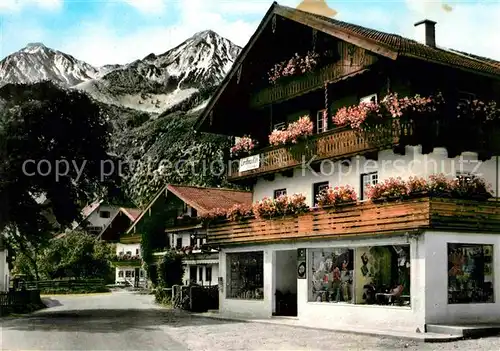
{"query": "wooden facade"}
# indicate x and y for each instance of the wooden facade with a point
(363, 219)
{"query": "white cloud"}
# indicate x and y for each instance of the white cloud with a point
(148, 6)
(18, 5)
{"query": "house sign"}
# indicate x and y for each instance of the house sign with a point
(249, 163)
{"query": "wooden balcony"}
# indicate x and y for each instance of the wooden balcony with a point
(367, 219)
(334, 144)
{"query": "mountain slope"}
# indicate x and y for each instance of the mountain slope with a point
(159, 82)
(36, 62)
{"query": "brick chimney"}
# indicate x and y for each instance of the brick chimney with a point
(426, 32)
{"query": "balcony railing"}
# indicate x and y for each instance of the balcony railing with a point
(366, 219)
(127, 260)
(336, 143)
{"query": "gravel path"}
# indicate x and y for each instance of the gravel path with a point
(127, 321)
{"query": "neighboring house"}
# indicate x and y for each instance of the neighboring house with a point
(181, 207)
(96, 217)
(425, 261)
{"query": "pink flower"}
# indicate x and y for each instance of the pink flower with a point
(244, 145)
(337, 195)
(301, 128)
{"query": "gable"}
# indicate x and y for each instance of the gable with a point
(386, 45)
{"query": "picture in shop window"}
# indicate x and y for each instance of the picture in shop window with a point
(382, 275)
(245, 275)
(366, 275)
(331, 278)
(470, 273)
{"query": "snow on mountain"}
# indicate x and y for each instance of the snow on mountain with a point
(158, 82)
(153, 84)
(37, 62)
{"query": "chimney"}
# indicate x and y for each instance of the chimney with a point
(426, 32)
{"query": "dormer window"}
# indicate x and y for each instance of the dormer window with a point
(372, 98)
(321, 121)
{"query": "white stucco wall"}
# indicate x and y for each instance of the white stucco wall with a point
(388, 165)
(95, 219)
(4, 271)
(124, 269)
(123, 248)
(437, 308)
(329, 315)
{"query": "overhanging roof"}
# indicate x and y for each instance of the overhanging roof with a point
(388, 45)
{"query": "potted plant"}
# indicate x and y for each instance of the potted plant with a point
(417, 187)
(440, 186)
(239, 212)
(295, 132)
(283, 206)
(338, 196)
(470, 188)
(214, 215)
(296, 65)
(389, 190)
(243, 147)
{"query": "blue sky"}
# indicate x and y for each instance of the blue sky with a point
(119, 31)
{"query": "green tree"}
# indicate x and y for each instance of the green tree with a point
(44, 123)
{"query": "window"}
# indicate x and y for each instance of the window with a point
(95, 230)
(194, 213)
(381, 273)
(366, 180)
(200, 242)
(192, 273)
(179, 243)
(470, 273)
(245, 275)
(208, 273)
(104, 214)
(369, 98)
(192, 240)
(279, 192)
(128, 274)
(317, 189)
(332, 275)
(142, 273)
(321, 121)
(137, 251)
(200, 273)
(120, 274)
(129, 253)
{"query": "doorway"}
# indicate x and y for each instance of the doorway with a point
(285, 286)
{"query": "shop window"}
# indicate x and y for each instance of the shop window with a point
(245, 275)
(120, 274)
(332, 275)
(470, 273)
(382, 275)
(368, 275)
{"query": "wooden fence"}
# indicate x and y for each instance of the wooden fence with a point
(14, 301)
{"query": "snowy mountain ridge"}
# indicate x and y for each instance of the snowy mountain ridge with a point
(152, 84)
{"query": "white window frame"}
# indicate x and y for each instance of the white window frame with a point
(280, 126)
(372, 180)
(369, 98)
(322, 120)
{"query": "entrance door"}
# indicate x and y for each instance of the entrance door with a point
(285, 283)
(192, 274)
(136, 277)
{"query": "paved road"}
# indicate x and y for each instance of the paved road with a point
(127, 321)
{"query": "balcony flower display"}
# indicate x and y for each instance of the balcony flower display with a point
(470, 188)
(282, 206)
(417, 186)
(214, 215)
(390, 189)
(239, 212)
(336, 196)
(440, 185)
(295, 66)
(243, 147)
(294, 132)
(479, 110)
(391, 106)
(123, 258)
